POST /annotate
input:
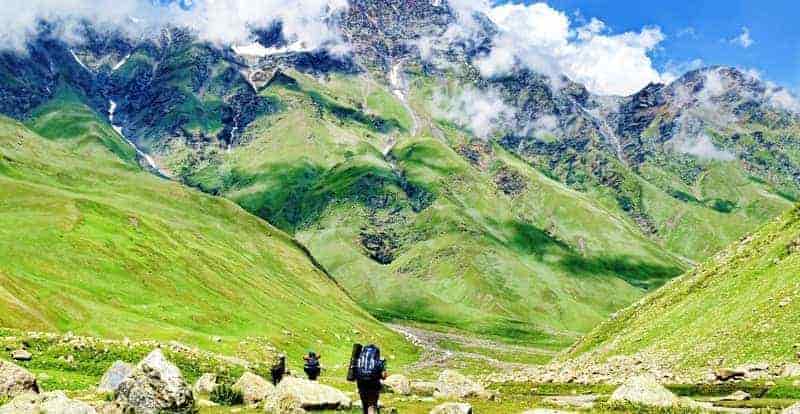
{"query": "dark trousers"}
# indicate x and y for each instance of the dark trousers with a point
(313, 373)
(370, 392)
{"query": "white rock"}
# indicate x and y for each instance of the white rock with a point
(644, 390)
(254, 388)
(155, 385)
(452, 408)
(312, 395)
(48, 403)
(118, 372)
(15, 380)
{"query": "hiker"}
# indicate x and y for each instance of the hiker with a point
(312, 366)
(369, 370)
(278, 370)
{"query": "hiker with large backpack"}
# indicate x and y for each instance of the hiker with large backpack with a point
(312, 366)
(367, 369)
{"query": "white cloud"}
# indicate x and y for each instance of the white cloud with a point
(703, 147)
(546, 40)
(223, 22)
(482, 112)
(744, 40)
(689, 32)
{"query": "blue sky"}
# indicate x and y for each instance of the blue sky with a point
(704, 29)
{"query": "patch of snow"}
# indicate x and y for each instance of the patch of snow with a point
(121, 62)
(80, 62)
(112, 108)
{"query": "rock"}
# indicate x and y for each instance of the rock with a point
(398, 384)
(453, 385)
(794, 409)
(284, 404)
(644, 390)
(155, 385)
(736, 396)
(312, 395)
(205, 384)
(727, 374)
(791, 370)
(452, 408)
(254, 388)
(423, 388)
(114, 376)
(48, 403)
(15, 380)
(576, 401)
(21, 355)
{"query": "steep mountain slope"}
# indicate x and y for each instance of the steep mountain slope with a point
(516, 205)
(92, 244)
(740, 306)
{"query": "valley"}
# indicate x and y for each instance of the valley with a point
(188, 211)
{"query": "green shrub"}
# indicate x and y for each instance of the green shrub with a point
(224, 394)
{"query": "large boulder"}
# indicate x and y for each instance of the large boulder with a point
(48, 403)
(397, 384)
(423, 388)
(118, 372)
(15, 380)
(312, 395)
(452, 408)
(254, 388)
(453, 385)
(155, 385)
(284, 404)
(205, 384)
(644, 390)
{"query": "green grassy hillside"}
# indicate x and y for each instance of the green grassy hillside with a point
(425, 232)
(92, 244)
(741, 305)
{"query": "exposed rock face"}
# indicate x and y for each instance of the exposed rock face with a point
(312, 395)
(155, 385)
(254, 388)
(453, 385)
(205, 384)
(47, 403)
(398, 384)
(644, 390)
(114, 376)
(452, 408)
(15, 380)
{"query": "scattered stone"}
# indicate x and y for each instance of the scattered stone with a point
(118, 372)
(48, 403)
(546, 411)
(254, 388)
(794, 409)
(791, 370)
(155, 385)
(452, 408)
(205, 384)
(453, 385)
(312, 395)
(727, 374)
(575, 401)
(398, 384)
(15, 380)
(423, 388)
(21, 355)
(644, 390)
(217, 339)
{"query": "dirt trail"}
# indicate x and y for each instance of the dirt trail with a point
(434, 355)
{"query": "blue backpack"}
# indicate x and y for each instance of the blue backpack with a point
(369, 366)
